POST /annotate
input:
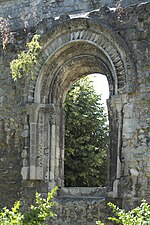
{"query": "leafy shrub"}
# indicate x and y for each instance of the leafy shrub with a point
(11, 217)
(37, 214)
(137, 216)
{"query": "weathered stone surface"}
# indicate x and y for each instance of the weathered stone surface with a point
(113, 40)
(79, 211)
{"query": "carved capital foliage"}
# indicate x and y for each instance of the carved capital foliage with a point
(32, 109)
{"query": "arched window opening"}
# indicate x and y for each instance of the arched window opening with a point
(86, 132)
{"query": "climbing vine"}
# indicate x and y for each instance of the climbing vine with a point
(22, 66)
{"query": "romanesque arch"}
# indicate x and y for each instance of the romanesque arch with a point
(76, 48)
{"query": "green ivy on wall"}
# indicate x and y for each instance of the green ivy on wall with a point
(22, 66)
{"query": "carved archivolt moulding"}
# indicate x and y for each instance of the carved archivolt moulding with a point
(88, 31)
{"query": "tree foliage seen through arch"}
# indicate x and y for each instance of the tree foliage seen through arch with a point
(86, 136)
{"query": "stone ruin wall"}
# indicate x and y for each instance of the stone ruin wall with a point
(24, 14)
(132, 24)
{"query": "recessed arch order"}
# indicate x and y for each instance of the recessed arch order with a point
(74, 48)
(105, 44)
